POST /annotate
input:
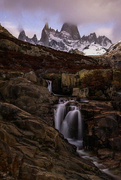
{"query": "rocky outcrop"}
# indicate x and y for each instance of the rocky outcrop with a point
(116, 100)
(22, 36)
(32, 98)
(44, 36)
(98, 82)
(102, 132)
(101, 40)
(72, 30)
(112, 56)
(30, 149)
(31, 76)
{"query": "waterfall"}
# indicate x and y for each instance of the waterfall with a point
(59, 115)
(49, 85)
(68, 121)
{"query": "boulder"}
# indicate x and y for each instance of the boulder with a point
(30, 149)
(31, 76)
(32, 98)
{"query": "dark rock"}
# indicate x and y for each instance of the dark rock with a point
(116, 100)
(34, 39)
(30, 97)
(108, 126)
(31, 76)
(44, 36)
(102, 129)
(22, 36)
(105, 153)
(115, 143)
(72, 30)
(38, 150)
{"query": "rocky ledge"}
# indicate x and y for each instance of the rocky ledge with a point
(29, 145)
(30, 149)
(102, 133)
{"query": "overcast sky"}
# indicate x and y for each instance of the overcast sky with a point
(101, 16)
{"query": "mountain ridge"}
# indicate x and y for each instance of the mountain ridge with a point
(69, 38)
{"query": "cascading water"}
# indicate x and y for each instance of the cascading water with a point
(49, 85)
(69, 122)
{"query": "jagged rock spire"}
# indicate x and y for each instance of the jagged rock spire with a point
(22, 36)
(34, 39)
(44, 36)
(46, 26)
(72, 30)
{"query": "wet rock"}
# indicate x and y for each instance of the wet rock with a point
(102, 129)
(38, 151)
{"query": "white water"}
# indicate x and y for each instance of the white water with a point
(49, 85)
(68, 121)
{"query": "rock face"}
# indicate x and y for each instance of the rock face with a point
(101, 40)
(102, 132)
(69, 38)
(29, 97)
(113, 56)
(72, 30)
(22, 36)
(116, 100)
(29, 148)
(95, 84)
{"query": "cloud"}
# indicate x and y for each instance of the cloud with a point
(108, 32)
(79, 12)
(11, 28)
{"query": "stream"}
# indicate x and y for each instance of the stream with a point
(68, 121)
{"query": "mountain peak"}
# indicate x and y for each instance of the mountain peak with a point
(46, 26)
(69, 38)
(34, 39)
(22, 36)
(72, 30)
(93, 34)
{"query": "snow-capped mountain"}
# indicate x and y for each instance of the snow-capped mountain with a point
(69, 38)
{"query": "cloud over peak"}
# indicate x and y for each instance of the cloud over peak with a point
(79, 12)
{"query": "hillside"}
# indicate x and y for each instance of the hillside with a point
(30, 146)
(21, 55)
